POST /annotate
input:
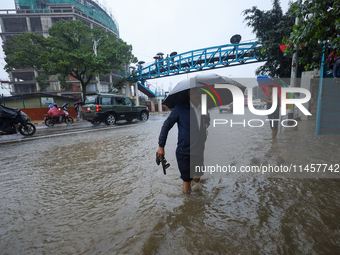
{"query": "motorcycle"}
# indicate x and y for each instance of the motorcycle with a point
(65, 118)
(13, 120)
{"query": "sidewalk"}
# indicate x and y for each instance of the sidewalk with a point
(42, 122)
(152, 113)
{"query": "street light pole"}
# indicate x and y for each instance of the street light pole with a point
(95, 45)
(293, 73)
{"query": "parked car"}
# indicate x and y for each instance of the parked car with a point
(228, 108)
(258, 103)
(109, 108)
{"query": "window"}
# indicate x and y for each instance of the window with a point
(90, 99)
(120, 101)
(106, 101)
(91, 87)
(128, 101)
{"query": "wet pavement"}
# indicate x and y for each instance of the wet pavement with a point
(97, 190)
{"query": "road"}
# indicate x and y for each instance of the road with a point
(42, 131)
(97, 190)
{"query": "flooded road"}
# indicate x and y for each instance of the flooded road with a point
(101, 192)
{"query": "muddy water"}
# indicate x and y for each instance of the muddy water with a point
(101, 193)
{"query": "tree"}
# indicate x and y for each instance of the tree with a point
(68, 51)
(319, 20)
(270, 27)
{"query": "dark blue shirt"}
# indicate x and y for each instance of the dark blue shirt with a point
(191, 139)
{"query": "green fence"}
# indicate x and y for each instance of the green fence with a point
(39, 101)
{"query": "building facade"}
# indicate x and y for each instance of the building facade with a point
(37, 16)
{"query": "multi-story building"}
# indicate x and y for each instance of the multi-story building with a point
(37, 16)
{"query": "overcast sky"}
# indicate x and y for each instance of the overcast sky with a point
(152, 26)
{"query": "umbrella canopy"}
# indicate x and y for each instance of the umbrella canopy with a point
(206, 83)
(265, 81)
(160, 53)
(64, 105)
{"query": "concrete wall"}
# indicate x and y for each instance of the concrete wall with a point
(39, 113)
(33, 102)
(306, 78)
(310, 80)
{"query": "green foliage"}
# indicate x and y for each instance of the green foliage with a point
(270, 27)
(41, 80)
(319, 20)
(121, 81)
(68, 51)
(23, 52)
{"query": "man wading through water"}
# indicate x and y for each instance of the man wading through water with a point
(192, 134)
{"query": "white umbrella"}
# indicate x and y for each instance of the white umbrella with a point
(206, 82)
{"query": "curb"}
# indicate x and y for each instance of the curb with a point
(154, 113)
(41, 122)
(37, 122)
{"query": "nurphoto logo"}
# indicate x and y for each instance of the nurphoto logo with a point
(238, 105)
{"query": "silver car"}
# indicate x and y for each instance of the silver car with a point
(258, 103)
(228, 108)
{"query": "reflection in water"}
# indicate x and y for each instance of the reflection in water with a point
(101, 192)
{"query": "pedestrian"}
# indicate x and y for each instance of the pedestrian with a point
(80, 111)
(76, 108)
(192, 134)
(334, 60)
(331, 60)
(274, 117)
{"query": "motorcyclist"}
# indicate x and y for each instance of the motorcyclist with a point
(54, 111)
(5, 126)
(64, 108)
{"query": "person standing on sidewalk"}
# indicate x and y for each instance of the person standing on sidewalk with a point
(76, 108)
(333, 61)
(80, 110)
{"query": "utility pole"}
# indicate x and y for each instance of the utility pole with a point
(95, 44)
(293, 73)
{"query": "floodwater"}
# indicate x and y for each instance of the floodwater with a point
(102, 193)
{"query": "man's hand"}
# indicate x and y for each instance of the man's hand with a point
(160, 152)
(207, 119)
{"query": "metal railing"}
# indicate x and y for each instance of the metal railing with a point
(65, 10)
(200, 60)
(319, 109)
